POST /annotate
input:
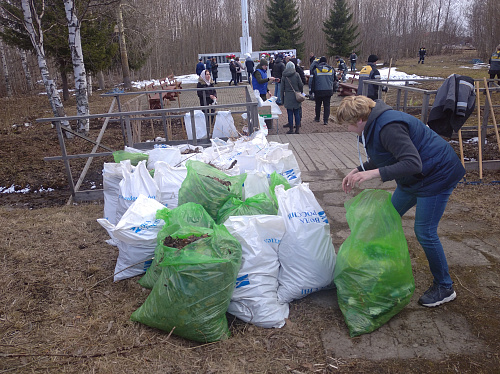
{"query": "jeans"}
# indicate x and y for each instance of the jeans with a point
(353, 66)
(429, 211)
(325, 100)
(277, 92)
(291, 114)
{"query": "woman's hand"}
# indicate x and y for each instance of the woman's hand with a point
(213, 97)
(356, 177)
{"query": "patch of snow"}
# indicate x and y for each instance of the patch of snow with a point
(27, 189)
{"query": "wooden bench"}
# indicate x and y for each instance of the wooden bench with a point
(348, 89)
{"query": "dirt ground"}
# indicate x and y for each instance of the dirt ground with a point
(61, 312)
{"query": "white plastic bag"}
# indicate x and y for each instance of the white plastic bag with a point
(112, 174)
(170, 155)
(136, 236)
(224, 126)
(255, 184)
(169, 180)
(199, 123)
(134, 184)
(306, 253)
(283, 162)
(255, 298)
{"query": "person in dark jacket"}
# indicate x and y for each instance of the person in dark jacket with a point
(249, 64)
(232, 69)
(200, 66)
(277, 72)
(291, 83)
(239, 68)
(208, 65)
(495, 65)
(215, 70)
(312, 57)
(299, 71)
(353, 58)
(323, 79)
(208, 96)
(259, 83)
(421, 55)
(371, 72)
(342, 67)
(311, 78)
(426, 170)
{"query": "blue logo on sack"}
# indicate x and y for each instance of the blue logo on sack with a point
(289, 174)
(147, 264)
(242, 281)
(145, 226)
(272, 240)
(323, 216)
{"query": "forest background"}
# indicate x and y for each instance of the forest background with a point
(165, 37)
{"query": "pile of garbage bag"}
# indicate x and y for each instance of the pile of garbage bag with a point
(227, 228)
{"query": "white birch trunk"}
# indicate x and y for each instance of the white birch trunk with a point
(75, 45)
(6, 77)
(27, 74)
(36, 37)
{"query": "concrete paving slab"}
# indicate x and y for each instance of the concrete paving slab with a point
(460, 254)
(432, 335)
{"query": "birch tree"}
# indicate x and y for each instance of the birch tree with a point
(27, 74)
(75, 46)
(5, 68)
(36, 36)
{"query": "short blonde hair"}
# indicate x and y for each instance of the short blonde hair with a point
(354, 108)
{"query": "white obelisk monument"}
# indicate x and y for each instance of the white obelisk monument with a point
(245, 39)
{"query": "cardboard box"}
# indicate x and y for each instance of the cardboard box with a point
(265, 111)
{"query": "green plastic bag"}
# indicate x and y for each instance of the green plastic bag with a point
(275, 180)
(257, 204)
(194, 289)
(209, 186)
(190, 214)
(179, 223)
(134, 158)
(153, 272)
(373, 271)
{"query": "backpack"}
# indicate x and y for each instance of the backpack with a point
(232, 67)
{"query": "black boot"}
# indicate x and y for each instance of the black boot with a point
(290, 131)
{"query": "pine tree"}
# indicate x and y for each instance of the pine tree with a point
(283, 30)
(340, 33)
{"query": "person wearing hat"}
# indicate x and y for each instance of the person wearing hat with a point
(200, 66)
(250, 65)
(371, 72)
(323, 81)
(277, 72)
(421, 55)
(425, 167)
(233, 70)
(260, 81)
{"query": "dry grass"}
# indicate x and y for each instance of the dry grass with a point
(62, 313)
